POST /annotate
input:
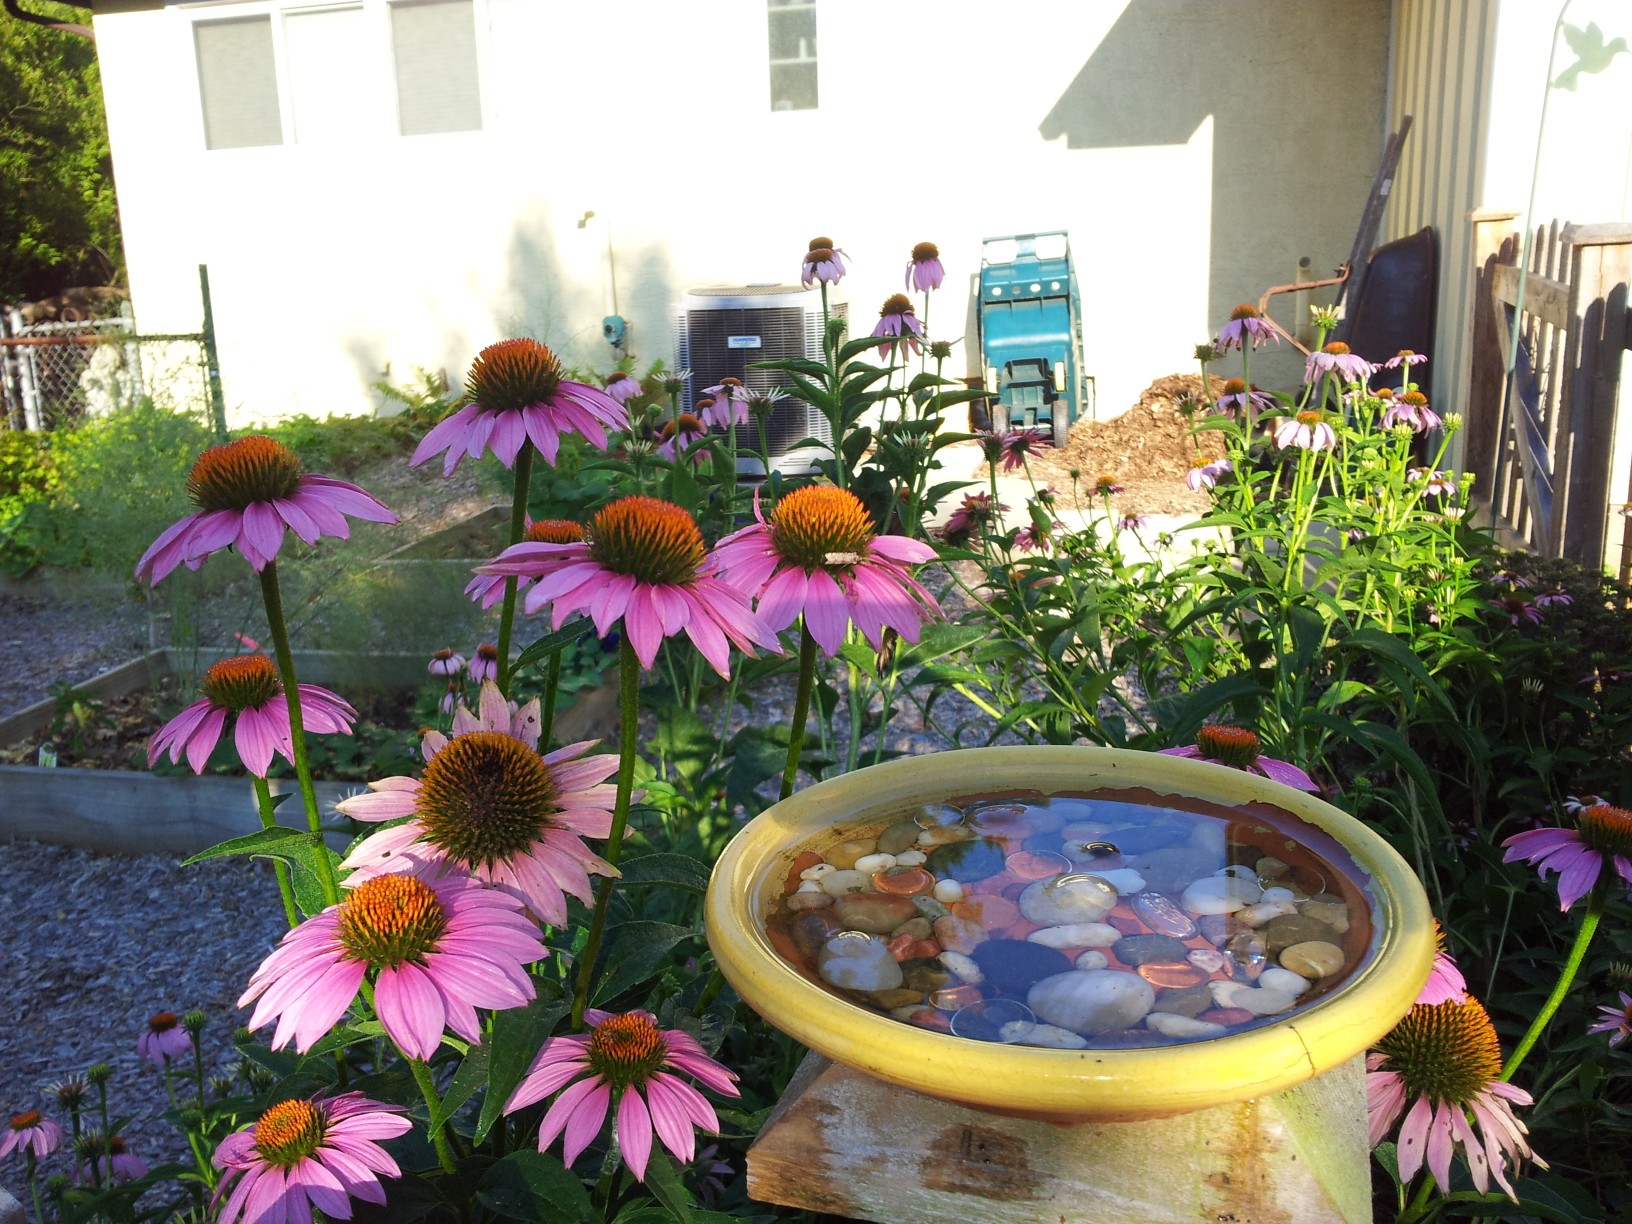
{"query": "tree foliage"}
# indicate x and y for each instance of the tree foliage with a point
(59, 224)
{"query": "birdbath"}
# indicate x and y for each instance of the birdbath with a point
(1068, 983)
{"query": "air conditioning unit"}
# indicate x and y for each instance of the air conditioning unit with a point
(722, 331)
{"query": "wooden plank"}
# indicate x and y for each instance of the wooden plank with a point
(1545, 298)
(1494, 243)
(126, 678)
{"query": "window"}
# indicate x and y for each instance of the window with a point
(434, 44)
(792, 28)
(329, 74)
(237, 84)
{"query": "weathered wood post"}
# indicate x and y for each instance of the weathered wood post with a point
(1495, 241)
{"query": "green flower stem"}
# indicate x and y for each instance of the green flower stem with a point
(552, 684)
(198, 1071)
(263, 804)
(1419, 1204)
(518, 528)
(297, 729)
(711, 991)
(836, 421)
(761, 419)
(1572, 965)
(629, 698)
(801, 708)
(427, 1088)
(34, 1184)
(107, 1137)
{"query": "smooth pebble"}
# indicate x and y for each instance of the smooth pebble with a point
(873, 863)
(1092, 1000)
(1053, 1037)
(910, 858)
(1283, 981)
(1169, 1025)
(1076, 935)
(964, 966)
(1093, 959)
(818, 871)
(1220, 894)
(841, 882)
(1313, 959)
(948, 891)
(1067, 899)
(858, 962)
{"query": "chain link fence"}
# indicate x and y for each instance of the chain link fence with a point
(54, 374)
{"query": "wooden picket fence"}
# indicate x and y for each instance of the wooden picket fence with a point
(1551, 452)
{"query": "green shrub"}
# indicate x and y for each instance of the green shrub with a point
(28, 478)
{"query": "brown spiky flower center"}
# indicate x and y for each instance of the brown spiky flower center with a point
(1444, 1051)
(512, 375)
(820, 525)
(821, 244)
(1607, 829)
(487, 652)
(243, 473)
(1235, 386)
(649, 539)
(1336, 349)
(924, 252)
(1234, 746)
(896, 304)
(627, 1050)
(162, 1022)
(289, 1132)
(1415, 398)
(390, 920)
(1106, 483)
(27, 1120)
(242, 682)
(485, 798)
(1309, 418)
(554, 531)
(1244, 311)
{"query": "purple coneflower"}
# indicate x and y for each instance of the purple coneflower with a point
(823, 262)
(1036, 537)
(1018, 444)
(1337, 360)
(111, 1159)
(898, 322)
(1204, 472)
(1438, 483)
(924, 270)
(1237, 395)
(437, 949)
(305, 1153)
(1105, 485)
(628, 1061)
(248, 688)
(1615, 1020)
(819, 556)
(1443, 1061)
(484, 664)
(1406, 358)
(1445, 982)
(446, 663)
(1602, 836)
(1245, 324)
(679, 438)
(622, 386)
(1306, 431)
(1411, 408)
(1517, 609)
(976, 513)
(730, 403)
(33, 1132)
(1239, 749)
(487, 590)
(642, 562)
(248, 493)
(515, 393)
(1557, 595)
(163, 1039)
(489, 805)
(1131, 522)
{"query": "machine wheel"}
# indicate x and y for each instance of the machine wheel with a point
(1061, 420)
(980, 416)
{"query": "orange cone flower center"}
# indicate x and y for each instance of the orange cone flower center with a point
(1336, 349)
(554, 531)
(1607, 829)
(820, 525)
(485, 798)
(1234, 746)
(1415, 398)
(653, 541)
(1444, 1051)
(162, 1022)
(27, 1120)
(243, 473)
(1244, 311)
(1309, 418)
(512, 375)
(1235, 386)
(242, 682)
(289, 1132)
(626, 1050)
(390, 920)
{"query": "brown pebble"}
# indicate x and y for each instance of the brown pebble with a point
(959, 934)
(1226, 1016)
(1172, 974)
(801, 901)
(899, 997)
(875, 913)
(844, 854)
(1314, 959)
(918, 928)
(898, 838)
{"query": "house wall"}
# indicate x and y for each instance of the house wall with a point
(1195, 150)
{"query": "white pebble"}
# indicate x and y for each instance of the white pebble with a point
(841, 882)
(1283, 980)
(810, 886)
(1053, 1037)
(1170, 1025)
(869, 864)
(912, 858)
(1263, 911)
(948, 891)
(1257, 1001)
(1278, 896)
(1239, 870)
(1125, 880)
(818, 871)
(1210, 959)
(1076, 935)
(1222, 894)
(1016, 1031)
(963, 966)
(1092, 960)
(906, 1013)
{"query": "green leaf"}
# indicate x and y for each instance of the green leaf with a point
(663, 1180)
(261, 842)
(635, 952)
(679, 870)
(467, 1081)
(518, 1033)
(532, 1185)
(554, 643)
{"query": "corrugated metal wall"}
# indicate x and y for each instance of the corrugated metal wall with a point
(1442, 67)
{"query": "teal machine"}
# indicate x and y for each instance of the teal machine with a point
(1030, 325)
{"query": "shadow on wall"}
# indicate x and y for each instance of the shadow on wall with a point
(1296, 93)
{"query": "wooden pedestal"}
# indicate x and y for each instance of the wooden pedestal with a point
(844, 1143)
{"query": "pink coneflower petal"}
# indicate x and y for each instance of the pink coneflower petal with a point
(635, 1132)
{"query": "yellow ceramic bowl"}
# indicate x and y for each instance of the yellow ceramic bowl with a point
(1109, 1084)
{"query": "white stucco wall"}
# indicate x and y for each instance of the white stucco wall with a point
(1194, 149)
